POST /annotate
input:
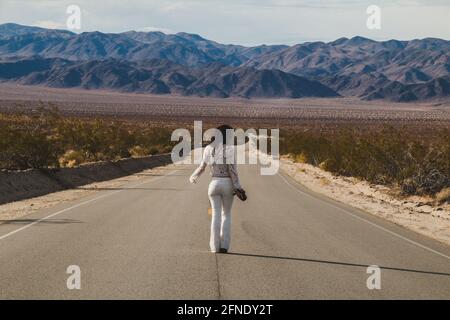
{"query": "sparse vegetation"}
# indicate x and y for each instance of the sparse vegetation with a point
(416, 159)
(389, 156)
(46, 139)
(443, 196)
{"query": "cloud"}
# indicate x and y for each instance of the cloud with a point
(324, 4)
(247, 22)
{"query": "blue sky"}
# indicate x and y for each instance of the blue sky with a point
(247, 22)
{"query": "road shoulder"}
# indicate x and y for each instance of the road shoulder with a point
(413, 213)
(19, 209)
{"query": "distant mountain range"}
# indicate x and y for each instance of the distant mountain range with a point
(188, 64)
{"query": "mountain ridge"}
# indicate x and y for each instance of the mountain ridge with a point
(161, 77)
(392, 70)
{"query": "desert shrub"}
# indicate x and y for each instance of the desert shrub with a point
(425, 182)
(29, 142)
(72, 158)
(301, 158)
(138, 151)
(154, 150)
(443, 196)
(46, 139)
(384, 156)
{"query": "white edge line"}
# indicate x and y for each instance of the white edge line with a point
(82, 204)
(367, 221)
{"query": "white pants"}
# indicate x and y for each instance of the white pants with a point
(220, 194)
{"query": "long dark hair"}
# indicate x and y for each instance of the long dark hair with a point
(223, 129)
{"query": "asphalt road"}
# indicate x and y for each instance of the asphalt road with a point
(150, 241)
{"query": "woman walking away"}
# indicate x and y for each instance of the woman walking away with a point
(222, 188)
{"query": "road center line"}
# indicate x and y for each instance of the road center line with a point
(82, 204)
(366, 221)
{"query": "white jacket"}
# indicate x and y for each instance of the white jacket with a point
(221, 166)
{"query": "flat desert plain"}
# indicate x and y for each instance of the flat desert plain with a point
(281, 112)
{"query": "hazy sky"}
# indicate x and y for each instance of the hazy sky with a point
(246, 22)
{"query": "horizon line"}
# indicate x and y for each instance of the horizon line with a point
(242, 45)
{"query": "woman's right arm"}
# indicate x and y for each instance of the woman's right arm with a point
(201, 168)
